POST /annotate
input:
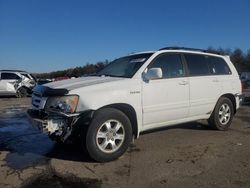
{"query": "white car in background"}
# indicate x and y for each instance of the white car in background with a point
(16, 83)
(136, 93)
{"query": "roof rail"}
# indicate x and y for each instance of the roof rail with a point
(191, 49)
(13, 70)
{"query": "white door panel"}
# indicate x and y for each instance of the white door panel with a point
(2, 84)
(7, 86)
(204, 93)
(165, 100)
(8, 81)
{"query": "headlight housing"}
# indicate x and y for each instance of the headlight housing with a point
(66, 104)
(32, 83)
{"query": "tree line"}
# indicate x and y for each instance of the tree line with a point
(76, 72)
(240, 60)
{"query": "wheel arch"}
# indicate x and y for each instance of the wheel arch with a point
(231, 97)
(129, 111)
(25, 87)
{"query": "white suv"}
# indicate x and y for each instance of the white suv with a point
(16, 83)
(136, 93)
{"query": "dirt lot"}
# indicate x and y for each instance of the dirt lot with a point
(187, 155)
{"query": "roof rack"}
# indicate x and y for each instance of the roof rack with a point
(190, 49)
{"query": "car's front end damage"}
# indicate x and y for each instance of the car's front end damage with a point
(26, 82)
(54, 112)
(64, 109)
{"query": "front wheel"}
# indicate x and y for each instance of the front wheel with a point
(108, 135)
(21, 92)
(222, 115)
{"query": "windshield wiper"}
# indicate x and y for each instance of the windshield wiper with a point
(105, 75)
(110, 75)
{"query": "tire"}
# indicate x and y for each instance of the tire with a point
(222, 116)
(113, 138)
(21, 92)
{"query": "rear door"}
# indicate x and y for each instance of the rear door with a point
(220, 69)
(204, 87)
(8, 82)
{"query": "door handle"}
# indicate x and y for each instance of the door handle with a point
(183, 82)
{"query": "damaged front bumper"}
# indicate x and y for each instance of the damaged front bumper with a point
(56, 125)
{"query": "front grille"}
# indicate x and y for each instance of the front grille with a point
(38, 101)
(36, 94)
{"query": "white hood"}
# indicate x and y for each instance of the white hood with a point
(71, 84)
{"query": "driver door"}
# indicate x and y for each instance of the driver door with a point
(166, 99)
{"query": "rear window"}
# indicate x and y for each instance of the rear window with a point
(197, 64)
(218, 66)
(9, 76)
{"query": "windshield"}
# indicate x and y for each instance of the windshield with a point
(125, 66)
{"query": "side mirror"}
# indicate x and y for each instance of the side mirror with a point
(153, 73)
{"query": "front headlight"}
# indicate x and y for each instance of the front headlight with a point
(32, 83)
(65, 104)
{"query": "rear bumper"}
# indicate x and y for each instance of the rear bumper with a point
(239, 100)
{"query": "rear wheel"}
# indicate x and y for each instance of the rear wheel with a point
(108, 135)
(21, 92)
(222, 115)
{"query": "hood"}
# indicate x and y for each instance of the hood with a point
(76, 83)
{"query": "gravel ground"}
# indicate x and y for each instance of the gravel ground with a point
(186, 155)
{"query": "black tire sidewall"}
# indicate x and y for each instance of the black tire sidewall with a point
(215, 116)
(99, 118)
(21, 92)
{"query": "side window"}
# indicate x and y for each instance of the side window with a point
(197, 64)
(9, 76)
(218, 66)
(170, 64)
